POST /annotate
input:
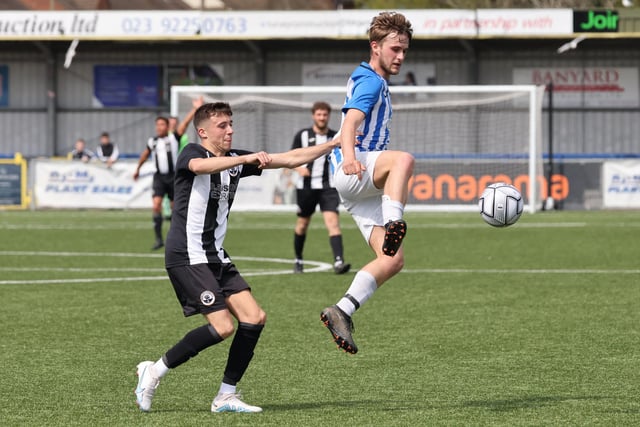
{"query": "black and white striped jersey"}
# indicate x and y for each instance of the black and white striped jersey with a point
(319, 168)
(201, 210)
(165, 152)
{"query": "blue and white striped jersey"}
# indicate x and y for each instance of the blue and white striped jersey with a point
(368, 92)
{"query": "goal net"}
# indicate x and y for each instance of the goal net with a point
(463, 137)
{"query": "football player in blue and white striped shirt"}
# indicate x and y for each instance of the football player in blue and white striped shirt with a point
(372, 180)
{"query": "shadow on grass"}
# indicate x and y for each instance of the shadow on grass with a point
(385, 405)
(526, 402)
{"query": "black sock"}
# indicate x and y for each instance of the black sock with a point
(241, 352)
(298, 244)
(193, 343)
(336, 246)
(157, 226)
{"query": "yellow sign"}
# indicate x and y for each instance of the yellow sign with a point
(13, 183)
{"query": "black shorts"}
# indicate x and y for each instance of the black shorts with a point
(163, 184)
(307, 200)
(203, 288)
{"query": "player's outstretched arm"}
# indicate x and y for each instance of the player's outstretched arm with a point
(301, 156)
(352, 120)
(210, 165)
(143, 158)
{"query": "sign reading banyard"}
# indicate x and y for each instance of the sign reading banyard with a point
(275, 24)
(586, 87)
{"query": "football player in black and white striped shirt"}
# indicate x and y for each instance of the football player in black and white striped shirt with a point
(314, 188)
(164, 149)
(203, 276)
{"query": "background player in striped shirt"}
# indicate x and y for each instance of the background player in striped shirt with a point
(203, 277)
(164, 148)
(314, 188)
(372, 181)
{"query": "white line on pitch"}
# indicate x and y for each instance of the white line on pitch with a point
(82, 269)
(314, 266)
(132, 279)
(521, 271)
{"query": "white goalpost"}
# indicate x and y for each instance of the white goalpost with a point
(463, 137)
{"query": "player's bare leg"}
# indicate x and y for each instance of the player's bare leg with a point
(338, 317)
(392, 173)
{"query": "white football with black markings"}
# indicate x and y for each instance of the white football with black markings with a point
(501, 204)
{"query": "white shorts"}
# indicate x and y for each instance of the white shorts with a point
(361, 198)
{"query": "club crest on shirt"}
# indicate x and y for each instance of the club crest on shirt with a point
(207, 298)
(234, 171)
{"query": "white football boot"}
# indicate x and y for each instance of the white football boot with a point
(230, 402)
(147, 385)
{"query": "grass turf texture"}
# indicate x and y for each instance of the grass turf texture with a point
(536, 324)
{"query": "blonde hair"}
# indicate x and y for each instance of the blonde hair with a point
(389, 22)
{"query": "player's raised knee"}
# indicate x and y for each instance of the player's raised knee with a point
(406, 161)
(392, 265)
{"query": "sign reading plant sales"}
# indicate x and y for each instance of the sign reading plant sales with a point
(595, 21)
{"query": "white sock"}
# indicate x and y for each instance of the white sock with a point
(391, 209)
(159, 368)
(361, 289)
(226, 388)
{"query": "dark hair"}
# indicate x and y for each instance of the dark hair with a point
(209, 110)
(320, 105)
(164, 119)
(389, 22)
(105, 134)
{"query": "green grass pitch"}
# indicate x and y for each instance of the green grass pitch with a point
(535, 324)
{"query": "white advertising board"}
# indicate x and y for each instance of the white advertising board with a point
(337, 74)
(576, 87)
(74, 184)
(238, 25)
(621, 184)
(63, 184)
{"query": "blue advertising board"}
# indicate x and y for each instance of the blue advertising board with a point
(126, 85)
(13, 183)
(4, 85)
